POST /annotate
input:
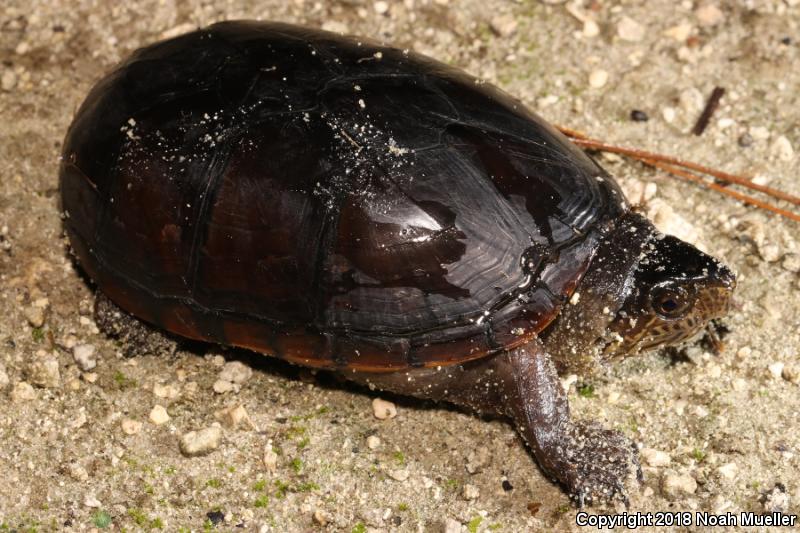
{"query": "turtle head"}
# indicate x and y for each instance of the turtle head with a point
(676, 291)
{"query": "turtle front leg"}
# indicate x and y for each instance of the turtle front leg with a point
(591, 462)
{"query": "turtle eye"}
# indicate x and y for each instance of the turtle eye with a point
(669, 302)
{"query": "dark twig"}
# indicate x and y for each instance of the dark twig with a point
(711, 106)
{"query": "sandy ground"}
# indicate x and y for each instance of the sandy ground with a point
(78, 448)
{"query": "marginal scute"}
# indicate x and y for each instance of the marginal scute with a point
(332, 203)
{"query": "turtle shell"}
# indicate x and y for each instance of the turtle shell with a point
(326, 200)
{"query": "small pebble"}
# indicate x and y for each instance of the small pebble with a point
(451, 526)
(383, 409)
(43, 371)
(598, 78)
(78, 472)
(630, 30)
(655, 458)
(84, 356)
(503, 25)
(373, 442)
(232, 417)
(791, 262)
(668, 114)
(638, 115)
(776, 369)
(34, 315)
(398, 475)
(590, 28)
(169, 392)
(679, 33)
(159, 415)
(9, 80)
(668, 221)
(270, 458)
(321, 517)
(650, 190)
(130, 426)
(725, 123)
(381, 7)
(22, 392)
(791, 373)
(470, 492)
(222, 386)
(200, 442)
(709, 15)
(782, 148)
(677, 485)
(728, 471)
(745, 140)
(744, 352)
(91, 501)
(546, 101)
(691, 100)
(770, 252)
(761, 179)
(236, 372)
(759, 133)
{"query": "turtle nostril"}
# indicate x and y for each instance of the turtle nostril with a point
(731, 280)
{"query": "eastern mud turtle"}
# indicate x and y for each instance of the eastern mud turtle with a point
(345, 205)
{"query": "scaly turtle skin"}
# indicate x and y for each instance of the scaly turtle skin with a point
(350, 206)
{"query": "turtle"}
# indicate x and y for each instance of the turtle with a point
(345, 205)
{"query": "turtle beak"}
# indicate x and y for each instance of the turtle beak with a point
(727, 278)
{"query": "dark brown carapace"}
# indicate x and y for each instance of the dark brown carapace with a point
(330, 202)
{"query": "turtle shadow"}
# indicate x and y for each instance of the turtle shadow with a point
(325, 380)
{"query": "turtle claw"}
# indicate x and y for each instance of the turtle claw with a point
(619, 490)
(580, 499)
(601, 463)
